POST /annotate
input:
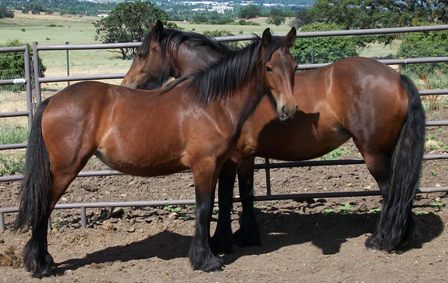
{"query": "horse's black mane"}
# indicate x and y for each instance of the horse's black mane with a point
(222, 79)
(170, 38)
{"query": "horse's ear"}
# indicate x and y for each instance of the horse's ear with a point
(266, 38)
(156, 30)
(290, 37)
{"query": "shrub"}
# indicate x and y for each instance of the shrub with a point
(12, 65)
(10, 134)
(427, 44)
(247, 23)
(323, 49)
(218, 33)
(11, 164)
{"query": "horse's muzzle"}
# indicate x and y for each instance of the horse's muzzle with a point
(287, 113)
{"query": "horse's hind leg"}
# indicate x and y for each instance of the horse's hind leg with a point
(63, 171)
(378, 164)
(222, 240)
(249, 233)
(35, 255)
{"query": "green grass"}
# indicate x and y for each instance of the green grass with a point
(347, 208)
(336, 154)
(379, 50)
(11, 164)
(10, 134)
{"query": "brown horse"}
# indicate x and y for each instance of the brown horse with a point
(356, 98)
(193, 123)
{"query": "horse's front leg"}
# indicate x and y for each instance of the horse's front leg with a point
(205, 175)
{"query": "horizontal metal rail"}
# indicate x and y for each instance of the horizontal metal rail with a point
(113, 204)
(379, 31)
(14, 114)
(434, 91)
(258, 166)
(80, 78)
(12, 146)
(437, 123)
(13, 49)
(88, 46)
(13, 81)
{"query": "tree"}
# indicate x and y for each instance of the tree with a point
(323, 49)
(425, 44)
(302, 17)
(128, 22)
(12, 65)
(249, 12)
(5, 12)
(276, 17)
(353, 14)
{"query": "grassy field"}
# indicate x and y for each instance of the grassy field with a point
(54, 29)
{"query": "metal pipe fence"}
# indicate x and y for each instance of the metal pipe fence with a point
(35, 98)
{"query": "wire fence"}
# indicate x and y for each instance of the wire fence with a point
(35, 97)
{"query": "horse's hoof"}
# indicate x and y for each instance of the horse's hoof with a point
(43, 271)
(212, 263)
(373, 242)
(204, 260)
(247, 238)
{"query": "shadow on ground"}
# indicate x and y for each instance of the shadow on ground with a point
(326, 231)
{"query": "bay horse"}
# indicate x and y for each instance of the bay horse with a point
(356, 98)
(195, 122)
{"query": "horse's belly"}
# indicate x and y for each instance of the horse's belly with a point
(308, 135)
(142, 154)
(143, 165)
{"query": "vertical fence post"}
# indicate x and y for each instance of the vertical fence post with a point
(83, 217)
(268, 177)
(2, 222)
(29, 95)
(37, 96)
(67, 56)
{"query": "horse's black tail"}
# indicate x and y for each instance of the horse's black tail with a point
(35, 193)
(396, 224)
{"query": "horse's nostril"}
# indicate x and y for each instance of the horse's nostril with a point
(283, 109)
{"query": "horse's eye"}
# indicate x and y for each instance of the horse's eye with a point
(268, 69)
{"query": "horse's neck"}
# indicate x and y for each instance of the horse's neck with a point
(243, 103)
(186, 62)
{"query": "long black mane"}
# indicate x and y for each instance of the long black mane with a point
(171, 39)
(222, 79)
